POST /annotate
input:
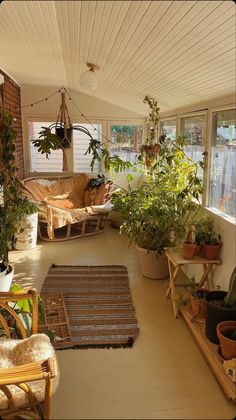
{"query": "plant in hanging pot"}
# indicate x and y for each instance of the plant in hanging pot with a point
(156, 212)
(149, 150)
(11, 200)
(220, 306)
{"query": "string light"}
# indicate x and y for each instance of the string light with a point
(76, 106)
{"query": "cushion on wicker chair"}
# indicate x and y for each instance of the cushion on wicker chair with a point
(19, 352)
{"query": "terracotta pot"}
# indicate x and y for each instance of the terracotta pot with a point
(211, 251)
(198, 303)
(189, 250)
(227, 345)
(198, 250)
(216, 313)
(153, 266)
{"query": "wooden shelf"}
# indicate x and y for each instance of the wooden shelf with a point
(211, 354)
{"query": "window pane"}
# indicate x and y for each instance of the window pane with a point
(81, 162)
(194, 130)
(126, 141)
(223, 163)
(169, 128)
(39, 162)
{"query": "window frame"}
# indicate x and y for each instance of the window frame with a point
(139, 122)
(174, 117)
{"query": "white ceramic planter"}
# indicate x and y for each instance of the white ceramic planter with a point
(27, 239)
(153, 266)
(6, 280)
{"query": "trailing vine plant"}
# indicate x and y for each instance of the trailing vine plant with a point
(11, 201)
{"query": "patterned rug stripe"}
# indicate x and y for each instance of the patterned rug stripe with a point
(98, 302)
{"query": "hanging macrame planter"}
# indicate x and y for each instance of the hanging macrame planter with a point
(62, 139)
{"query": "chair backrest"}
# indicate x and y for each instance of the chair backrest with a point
(12, 323)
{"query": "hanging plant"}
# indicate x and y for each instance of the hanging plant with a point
(62, 140)
(150, 149)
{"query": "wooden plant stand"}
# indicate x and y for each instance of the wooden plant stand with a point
(56, 320)
(176, 262)
(211, 354)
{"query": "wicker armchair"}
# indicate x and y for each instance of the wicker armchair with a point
(27, 365)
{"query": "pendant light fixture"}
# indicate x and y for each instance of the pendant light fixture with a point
(89, 78)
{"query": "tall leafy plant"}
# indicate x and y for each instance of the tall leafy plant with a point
(10, 189)
(156, 212)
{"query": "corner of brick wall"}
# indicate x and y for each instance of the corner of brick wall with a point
(11, 97)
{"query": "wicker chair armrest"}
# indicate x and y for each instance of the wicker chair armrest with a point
(28, 372)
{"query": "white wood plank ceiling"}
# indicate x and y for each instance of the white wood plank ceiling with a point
(180, 52)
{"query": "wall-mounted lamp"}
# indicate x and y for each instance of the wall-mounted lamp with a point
(89, 79)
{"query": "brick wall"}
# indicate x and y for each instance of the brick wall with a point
(11, 98)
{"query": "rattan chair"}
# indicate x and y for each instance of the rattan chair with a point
(25, 389)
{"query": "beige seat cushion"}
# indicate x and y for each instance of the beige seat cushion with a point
(18, 352)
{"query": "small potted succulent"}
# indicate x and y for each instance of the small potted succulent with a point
(189, 246)
(196, 295)
(206, 236)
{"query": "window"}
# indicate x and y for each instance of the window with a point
(80, 162)
(126, 141)
(169, 128)
(194, 129)
(222, 194)
(38, 161)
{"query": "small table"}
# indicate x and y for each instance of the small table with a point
(175, 262)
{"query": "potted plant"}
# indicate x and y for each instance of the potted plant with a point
(203, 224)
(26, 234)
(212, 245)
(156, 212)
(196, 296)
(10, 197)
(189, 247)
(226, 333)
(220, 306)
(206, 237)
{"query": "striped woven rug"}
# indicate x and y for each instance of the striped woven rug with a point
(98, 303)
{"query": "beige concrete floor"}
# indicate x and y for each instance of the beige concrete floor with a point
(164, 375)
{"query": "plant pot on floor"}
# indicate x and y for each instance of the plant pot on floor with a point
(226, 332)
(26, 237)
(216, 313)
(153, 265)
(6, 279)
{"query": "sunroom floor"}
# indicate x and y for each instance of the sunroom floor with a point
(163, 376)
